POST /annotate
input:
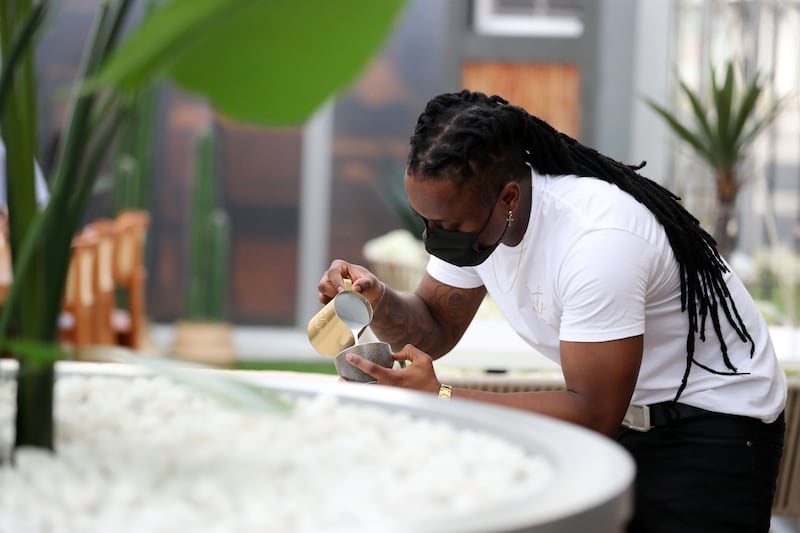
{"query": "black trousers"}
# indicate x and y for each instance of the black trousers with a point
(708, 473)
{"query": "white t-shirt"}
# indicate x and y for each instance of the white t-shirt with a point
(595, 265)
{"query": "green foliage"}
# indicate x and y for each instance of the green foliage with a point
(311, 367)
(722, 125)
(18, 45)
(209, 238)
(19, 24)
(132, 164)
(264, 61)
(721, 129)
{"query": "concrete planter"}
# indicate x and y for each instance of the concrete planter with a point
(586, 488)
(209, 343)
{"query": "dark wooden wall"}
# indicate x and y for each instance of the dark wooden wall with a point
(551, 91)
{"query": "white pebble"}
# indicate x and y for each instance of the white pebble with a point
(147, 455)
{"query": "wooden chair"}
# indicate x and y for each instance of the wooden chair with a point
(787, 493)
(129, 275)
(107, 259)
(76, 322)
(103, 282)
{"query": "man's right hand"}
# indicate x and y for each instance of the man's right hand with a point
(364, 282)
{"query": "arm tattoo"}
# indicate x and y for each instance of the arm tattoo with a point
(434, 326)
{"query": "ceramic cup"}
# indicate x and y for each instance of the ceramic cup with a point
(377, 352)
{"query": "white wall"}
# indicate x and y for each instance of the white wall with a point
(649, 139)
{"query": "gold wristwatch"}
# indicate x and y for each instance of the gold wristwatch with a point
(445, 392)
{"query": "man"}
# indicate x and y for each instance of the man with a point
(603, 271)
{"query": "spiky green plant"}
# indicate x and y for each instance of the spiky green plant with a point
(33, 303)
(209, 240)
(721, 129)
(132, 165)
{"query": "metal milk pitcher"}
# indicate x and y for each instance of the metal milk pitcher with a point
(338, 325)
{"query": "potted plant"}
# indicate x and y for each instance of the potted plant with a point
(201, 46)
(721, 129)
(204, 335)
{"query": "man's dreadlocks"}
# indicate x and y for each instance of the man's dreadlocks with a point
(467, 134)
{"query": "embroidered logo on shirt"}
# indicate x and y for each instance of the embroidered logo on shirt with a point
(539, 307)
(538, 303)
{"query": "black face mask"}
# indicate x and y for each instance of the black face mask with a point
(458, 248)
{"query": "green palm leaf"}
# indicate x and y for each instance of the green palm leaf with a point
(699, 113)
(723, 136)
(21, 42)
(746, 107)
(723, 101)
(682, 131)
(164, 37)
(35, 352)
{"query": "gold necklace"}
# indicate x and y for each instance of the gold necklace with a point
(510, 219)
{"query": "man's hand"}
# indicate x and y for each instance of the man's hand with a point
(418, 373)
(364, 282)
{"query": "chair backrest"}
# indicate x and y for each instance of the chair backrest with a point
(103, 280)
(77, 324)
(129, 272)
(107, 255)
(131, 232)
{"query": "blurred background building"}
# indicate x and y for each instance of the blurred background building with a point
(299, 197)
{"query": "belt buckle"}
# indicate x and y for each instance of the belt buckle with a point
(637, 417)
